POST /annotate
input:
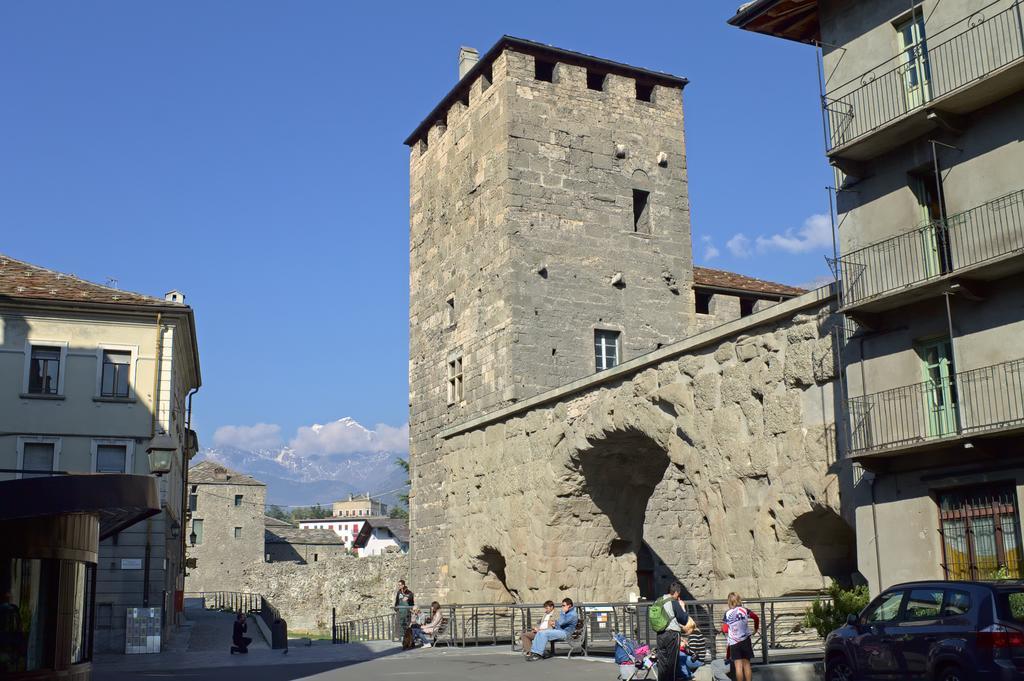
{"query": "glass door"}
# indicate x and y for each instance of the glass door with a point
(935, 253)
(939, 387)
(915, 68)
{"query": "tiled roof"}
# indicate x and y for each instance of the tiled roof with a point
(275, 522)
(399, 528)
(23, 280)
(295, 535)
(211, 472)
(705, 276)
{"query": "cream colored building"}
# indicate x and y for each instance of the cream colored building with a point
(94, 379)
(359, 507)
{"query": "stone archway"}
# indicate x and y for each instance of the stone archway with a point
(616, 474)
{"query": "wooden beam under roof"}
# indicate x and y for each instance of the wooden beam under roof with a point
(791, 19)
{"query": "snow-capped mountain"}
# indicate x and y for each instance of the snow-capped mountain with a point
(294, 479)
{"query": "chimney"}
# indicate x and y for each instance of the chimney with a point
(175, 296)
(468, 57)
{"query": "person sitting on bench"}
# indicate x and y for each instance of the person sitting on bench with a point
(563, 629)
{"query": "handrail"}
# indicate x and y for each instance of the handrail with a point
(978, 400)
(985, 45)
(783, 633)
(934, 249)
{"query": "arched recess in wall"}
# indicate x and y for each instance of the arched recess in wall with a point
(619, 470)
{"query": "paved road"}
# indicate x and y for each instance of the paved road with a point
(354, 661)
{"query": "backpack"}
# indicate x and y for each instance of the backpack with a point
(656, 615)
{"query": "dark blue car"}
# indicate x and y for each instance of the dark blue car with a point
(947, 631)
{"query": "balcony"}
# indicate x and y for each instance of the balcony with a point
(979, 244)
(978, 402)
(963, 68)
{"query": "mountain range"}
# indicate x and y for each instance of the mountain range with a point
(305, 479)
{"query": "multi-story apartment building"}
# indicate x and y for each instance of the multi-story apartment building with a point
(923, 105)
(226, 529)
(95, 379)
(359, 506)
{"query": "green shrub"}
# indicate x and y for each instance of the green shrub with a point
(826, 616)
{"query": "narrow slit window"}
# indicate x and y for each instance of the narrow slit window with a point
(544, 70)
(641, 212)
(595, 80)
(238, 533)
(644, 92)
(702, 302)
(449, 310)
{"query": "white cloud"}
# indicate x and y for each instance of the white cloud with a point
(346, 436)
(817, 282)
(258, 436)
(710, 250)
(815, 234)
(739, 246)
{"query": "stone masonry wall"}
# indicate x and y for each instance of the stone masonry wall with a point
(521, 212)
(721, 460)
(220, 556)
(305, 594)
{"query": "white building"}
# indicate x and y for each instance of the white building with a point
(95, 379)
(383, 534)
(346, 528)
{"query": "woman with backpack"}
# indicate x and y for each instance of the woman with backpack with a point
(668, 617)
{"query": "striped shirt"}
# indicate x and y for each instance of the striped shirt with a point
(696, 645)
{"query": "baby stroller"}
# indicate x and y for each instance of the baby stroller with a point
(632, 658)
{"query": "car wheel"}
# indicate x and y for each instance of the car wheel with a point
(837, 668)
(952, 672)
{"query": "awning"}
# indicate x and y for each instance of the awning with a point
(119, 500)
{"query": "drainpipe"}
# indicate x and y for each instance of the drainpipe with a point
(952, 361)
(184, 483)
(874, 528)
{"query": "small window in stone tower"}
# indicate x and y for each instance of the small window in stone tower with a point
(641, 212)
(644, 92)
(595, 80)
(449, 311)
(544, 70)
(702, 302)
(455, 379)
(747, 306)
(486, 76)
(606, 349)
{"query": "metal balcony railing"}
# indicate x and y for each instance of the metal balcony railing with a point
(945, 62)
(968, 403)
(984, 233)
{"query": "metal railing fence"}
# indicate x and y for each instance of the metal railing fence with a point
(783, 635)
(235, 601)
(966, 403)
(943, 63)
(986, 232)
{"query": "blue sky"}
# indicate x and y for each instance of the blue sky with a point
(250, 153)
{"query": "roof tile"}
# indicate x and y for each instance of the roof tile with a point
(705, 276)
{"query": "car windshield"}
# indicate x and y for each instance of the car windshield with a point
(1010, 603)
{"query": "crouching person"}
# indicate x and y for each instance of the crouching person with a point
(562, 630)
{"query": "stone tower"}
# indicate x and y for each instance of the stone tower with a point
(549, 238)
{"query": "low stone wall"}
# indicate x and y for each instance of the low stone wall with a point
(305, 594)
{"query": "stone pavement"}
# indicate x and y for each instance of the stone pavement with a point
(200, 653)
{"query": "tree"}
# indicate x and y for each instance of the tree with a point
(828, 615)
(404, 465)
(310, 512)
(398, 512)
(275, 511)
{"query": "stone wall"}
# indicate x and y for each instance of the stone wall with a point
(521, 215)
(305, 594)
(717, 455)
(220, 556)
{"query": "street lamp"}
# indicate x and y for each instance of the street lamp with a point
(161, 452)
(192, 538)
